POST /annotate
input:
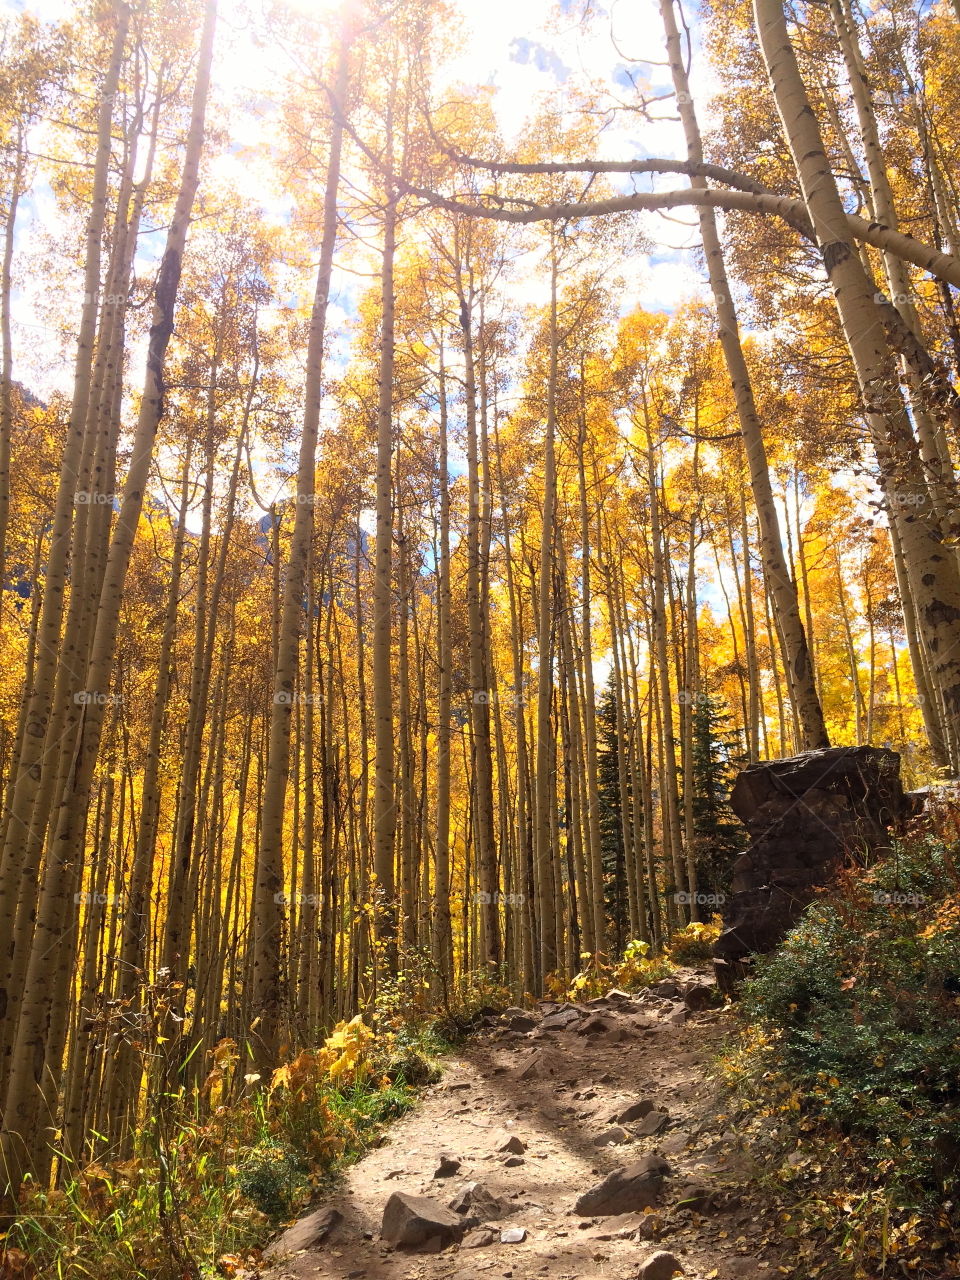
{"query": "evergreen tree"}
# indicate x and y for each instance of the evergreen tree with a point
(718, 757)
(611, 817)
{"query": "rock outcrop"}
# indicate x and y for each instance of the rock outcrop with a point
(806, 816)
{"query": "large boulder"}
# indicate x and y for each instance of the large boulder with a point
(806, 816)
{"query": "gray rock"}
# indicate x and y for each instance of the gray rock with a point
(479, 1238)
(512, 1144)
(668, 987)
(513, 1235)
(612, 1137)
(596, 1025)
(448, 1166)
(659, 1266)
(699, 995)
(513, 1162)
(474, 1198)
(654, 1122)
(308, 1233)
(560, 1021)
(635, 1111)
(804, 816)
(628, 1189)
(414, 1220)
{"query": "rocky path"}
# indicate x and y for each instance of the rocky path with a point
(576, 1141)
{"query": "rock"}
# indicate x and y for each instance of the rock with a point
(511, 1143)
(536, 1066)
(635, 1111)
(513, 1235)
(804, 815)
(308, 1233)
(596, 1025)
(616, 996)
(584, 1095)
(414, 1220)
(659, 1266)
(612, 1137)
(668, 988)
(654, 1122)
(696, 1198)
(678, 1017)
(513, 1162)
(626, 1190)
(560, 1021)
(478, 1238)
(649, 1227)
(474, 1198)
(699, 996)
(448, 1166)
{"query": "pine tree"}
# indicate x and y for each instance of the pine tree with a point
(718, 757)
(611, 818)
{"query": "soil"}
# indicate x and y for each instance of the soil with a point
(558, 1092)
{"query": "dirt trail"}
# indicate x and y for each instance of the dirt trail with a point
(558, 1092)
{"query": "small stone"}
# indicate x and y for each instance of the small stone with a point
(612, 1137)
(479, 1238)
(474, 1198)
(512, 1144)
(417, 1221)
(628, 1189)
(654, 1122)
(635, 1111)
(448, 1166)
(513, 1162)
(308, 1233)
(513, 1235)
(649, 1227)
(596, 1025)
(678, 1017)
(659, 1266)
(560, 1021)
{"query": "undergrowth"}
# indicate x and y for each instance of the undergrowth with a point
(213, 1176)
(848, 1060)
(640, 965)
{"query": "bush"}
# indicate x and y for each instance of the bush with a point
(851, 1039)
(693, 944)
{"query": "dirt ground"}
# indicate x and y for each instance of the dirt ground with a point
(558, 1092)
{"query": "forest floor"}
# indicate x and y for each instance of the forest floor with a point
(558, 1091)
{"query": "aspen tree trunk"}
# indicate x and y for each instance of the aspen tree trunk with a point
(670, 793)
(934, 567)
(268, 917)
(384, 807)
(933, 442)
(800, 669)
(528, 947)
(545, 781)
(6, 351)
(596, 907)
(23, 1141)
(18, 878)
(481, 693)
(442, 934)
